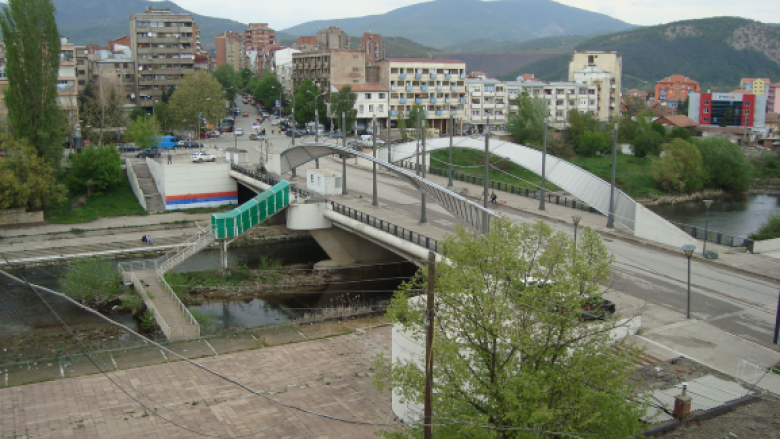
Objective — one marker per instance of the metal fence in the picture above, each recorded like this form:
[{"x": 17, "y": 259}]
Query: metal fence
[
  {"x": 267, "y": 179},
  {"x": 713, "y": 236},
  {"x": 180, "y": 332},
  {"x": 535, "y": 193},
  {"x": 386, "y": 226},
  {"x": 166, "y": 329}
]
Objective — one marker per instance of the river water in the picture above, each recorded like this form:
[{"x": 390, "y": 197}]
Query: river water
[{"x": 738, "y": 215}]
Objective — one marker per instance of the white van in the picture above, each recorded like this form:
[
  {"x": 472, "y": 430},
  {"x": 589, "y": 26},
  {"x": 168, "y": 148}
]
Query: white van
[{"x": 365, "y": 140}]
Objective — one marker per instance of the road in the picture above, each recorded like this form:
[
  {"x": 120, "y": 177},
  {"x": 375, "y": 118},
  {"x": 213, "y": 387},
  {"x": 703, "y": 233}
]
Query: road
[{"x": 738, "y": 303}]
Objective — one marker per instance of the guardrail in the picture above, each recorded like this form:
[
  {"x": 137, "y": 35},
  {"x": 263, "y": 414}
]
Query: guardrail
[
  {"x": 182, "y": 308},
  {"x": 562, "y": 200},
  {"x": 713, "y": 236},
  {"x": 267, "y": 179},
  {"x": 150, "y": 305},
  {"x": 187, "y": 249},
  {"x": 386, "y": 226}
]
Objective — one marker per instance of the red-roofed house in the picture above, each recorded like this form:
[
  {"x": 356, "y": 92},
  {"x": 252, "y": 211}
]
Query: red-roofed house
[
  {"x": 675, "y": 86},
  {"x": 371, "y": 101}
]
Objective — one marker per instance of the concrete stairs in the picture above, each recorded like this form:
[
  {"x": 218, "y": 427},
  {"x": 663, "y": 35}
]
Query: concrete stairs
[{"x": 154, "y": 201}]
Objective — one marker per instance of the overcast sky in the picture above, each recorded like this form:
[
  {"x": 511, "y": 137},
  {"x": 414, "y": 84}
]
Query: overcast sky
[{"x": 283, "y": 14}]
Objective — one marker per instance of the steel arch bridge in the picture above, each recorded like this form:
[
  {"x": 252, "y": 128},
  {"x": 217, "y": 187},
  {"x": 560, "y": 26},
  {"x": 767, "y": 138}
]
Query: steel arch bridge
[{"x": 468, "y": 212}]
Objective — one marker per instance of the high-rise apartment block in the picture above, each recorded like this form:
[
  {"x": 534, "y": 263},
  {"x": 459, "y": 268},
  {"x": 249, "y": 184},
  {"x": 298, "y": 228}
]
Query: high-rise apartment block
[
  {"x": 326, "y": 68},
  {"x": 604, "y": 69},
  {"x": 373, "y": 46},
  {"x": 333, "y": 38},
  {"x": 256, "y": 36},
  {"x": 163, "y": 45},
  {"x": 229, "y": 45},
  {"x": 674, "y": 89}
]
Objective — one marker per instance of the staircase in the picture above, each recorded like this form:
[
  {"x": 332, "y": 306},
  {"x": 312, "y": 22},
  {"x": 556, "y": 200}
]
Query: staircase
[
  {"x": 187, "y": 249},
  {"x": 154, "y": 201}
]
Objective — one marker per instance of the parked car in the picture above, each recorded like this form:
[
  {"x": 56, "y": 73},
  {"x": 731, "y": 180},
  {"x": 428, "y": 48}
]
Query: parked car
[
  {"x": 245, "y": 114},
  {"x": 336, "y": 135},
  {"x": 128, "y": 148},
  {"x": 239, "y": 131},
  {"x": 254, "y": 136},
  {"x": 203, "y": 157},
  {"x": 213, "y": 133},
  {"x": 150, "y": 153},
  {"x": 297, "y": 132},
  {"x": 181, "y": 137},
  {"x": 189, "y": 144}
]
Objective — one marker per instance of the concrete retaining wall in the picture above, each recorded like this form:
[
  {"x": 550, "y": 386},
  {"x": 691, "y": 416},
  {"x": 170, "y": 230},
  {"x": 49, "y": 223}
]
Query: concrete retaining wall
[
  {"x": 769, "y": 245},
  {"x": 139, "y": 194},
  {"x": 157, "y": 170},
  {"x": 188, "y": 186},
  {"x": 19, "y": 216}
]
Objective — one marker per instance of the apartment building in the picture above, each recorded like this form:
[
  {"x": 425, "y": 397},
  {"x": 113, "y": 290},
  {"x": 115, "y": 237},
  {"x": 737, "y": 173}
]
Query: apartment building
[
  {"x": 329, "y": 67},
  {"x": 281, "y": 66},
  {"x": 604, "y": 69},
  {"x": 333, "y": 38},
  {"x": 758, "y": 86},
  {"x": 256, "y": 36},
  {"x": 229, "y": 45},
  {"x": 373, "y": 46},
  {"x": 164, "y": 48},
  {"x": 371, "y": 102},
  {"x": 728, "y": 109},
  {"x": 306, "y": 44},
  {"x": 675, "y": 88},
  {"x": 436, "y": 84},
  {"x": 773, "y": 98}
]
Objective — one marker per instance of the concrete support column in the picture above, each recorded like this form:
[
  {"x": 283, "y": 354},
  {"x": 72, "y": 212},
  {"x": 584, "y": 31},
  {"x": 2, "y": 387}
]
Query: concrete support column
[{"x": 223, "y": 254}]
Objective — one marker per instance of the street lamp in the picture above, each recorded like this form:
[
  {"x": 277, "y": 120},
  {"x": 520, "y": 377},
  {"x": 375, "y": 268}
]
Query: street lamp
[
  {"x": 281, "y": 109},
  {"x": 707, "y": 203},
  {"x": 688, "y": 249},
  {"x": 576, "y": 219}
]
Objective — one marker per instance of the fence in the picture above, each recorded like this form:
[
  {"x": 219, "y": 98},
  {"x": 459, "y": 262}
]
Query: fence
[
  {"x": 179, "y": 331},
  {"x": 267, "y": 179},
  {"x": 386, "y": 226},
  {"x": 188, "y": 248},
  {"x": 563, "y": 200},
  {"x": 713, "y": 236},
  {"x": 148, "y": 301}
]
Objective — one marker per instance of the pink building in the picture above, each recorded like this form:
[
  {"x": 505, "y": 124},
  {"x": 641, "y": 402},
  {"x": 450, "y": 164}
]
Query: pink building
[{"x": 773, "y": 98}]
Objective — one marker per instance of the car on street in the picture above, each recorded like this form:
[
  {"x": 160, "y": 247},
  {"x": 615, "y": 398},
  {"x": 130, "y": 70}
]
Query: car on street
[
  {"x": 150, "y": 153},
  {"x": 239, "y": 131},
  {"x": 245, "y": 114},
  {"x": 188, "y": 144},
  {"x": 298, "y": 132},
  {"x": 201, "y": 156},
  {"x": 254, "y": 136},
  {"x": 264, "y": 113},
  {"x": 128, "y": 148},
  {"x": 336, "y": 135},
  {"x": 213, "y": 133}
]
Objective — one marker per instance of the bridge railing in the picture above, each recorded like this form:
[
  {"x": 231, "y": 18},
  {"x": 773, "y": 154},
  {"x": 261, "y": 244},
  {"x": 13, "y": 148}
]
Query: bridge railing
[
  {"x": 183, "y": 309},
  {"x": 186, "y": 249},
  {"x": 713, "y": 235},
  {"x": 386, "y": 226},
  {"x": 535, "y": 193},
  {"x": 267, "y": 179},
  {"x": 150, "y": 305}
]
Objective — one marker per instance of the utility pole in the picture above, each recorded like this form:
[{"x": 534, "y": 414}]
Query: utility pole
[
  {"x": 343, "y": 155},
  {"x": 486, "y": 177},
  {"x": 430, "y": 315},
  {"x": 292, "y": 131},
  {"x": 544, "y": 163},
  {"x": 389, "y": 149},
  {"x": 423, "y": 206},
  {"x": 611, "y": 216},
  {"x": 452, "y": 130},
  {"x": 374, "y": 201}
]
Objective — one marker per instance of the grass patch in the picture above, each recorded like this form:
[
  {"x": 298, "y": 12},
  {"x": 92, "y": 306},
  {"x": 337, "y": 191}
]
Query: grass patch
[
  {"x": 465, "y": 160},
  {"x": 633, "y": 174},
  {"x": 769, "y": 230},
  {"x": 180, "y": 282},
  {"x": 119, "y": 201},
  {"x": 776, "y": 369}
]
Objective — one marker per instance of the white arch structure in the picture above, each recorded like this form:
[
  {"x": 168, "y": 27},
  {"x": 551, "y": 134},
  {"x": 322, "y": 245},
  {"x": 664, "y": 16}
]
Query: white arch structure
[{"x": 582, "y": 184}]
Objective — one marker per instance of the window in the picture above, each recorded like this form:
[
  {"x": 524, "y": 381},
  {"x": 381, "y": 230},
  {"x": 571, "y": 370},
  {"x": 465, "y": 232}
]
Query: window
[
  {"x": 360, "y": 108},
  {"x": 747, "y": 104},
  {"x": 381, "y": 95},
  {"x": 747, "y": 112},
  {"x": 355, "y": 69},
  {"x": 706, "y": 119},
  {"x": 590, "y": 59},
  {"x": 371, "y": 108},
  {"x": 706, "y": 102},
  {"x": 368, "y": 95},
  {"x": 706, "y": 110},
  {"x": 380, "y": 108}
]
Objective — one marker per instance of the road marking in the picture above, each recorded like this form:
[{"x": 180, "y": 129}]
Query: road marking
[{"x": 673, "y": 326}]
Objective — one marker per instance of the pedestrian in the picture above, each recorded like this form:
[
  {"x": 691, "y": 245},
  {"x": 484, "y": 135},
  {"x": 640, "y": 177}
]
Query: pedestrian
[
  {"x": 493, "y": 197},
  {"x": 170, "y": 159}
]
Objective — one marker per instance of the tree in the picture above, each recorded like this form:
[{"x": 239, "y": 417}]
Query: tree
[
  {"x": 199, "y": 94},
  {"x": 143, "y": 131},
  {"x": 243, "y": 77},
  {"x": 343, "y": 102},
  {"x": 527, "y": 125},
  {"x": 164, "y": 116},
  {"x": 266, "y": 89},
  {"x": 647, "y": 143},
  {"x": 579, "y": 123},
  {"x": 589, "y": 143},
  {"x": 94, "y": 170},
  {"x": 32, "y": 48},
  {"x": 658, "y": 128},
  {"x": 679, "y": 133},
  {"x": 725, "y": 165},
  {"x": 512, "y": 353},
  {"x": 635, "y": 105},
  {"x": 136, "y": 113},
  {"x": 304, "y": 101},
  {"x": 226, "y": 75},
  {"x": 680, "y": 168},
  {"x": 728, "y": 117},
  {"x": 101, "y": 106},
  {"x": 93, "y": 280},
  {"x": 628, "y": 129},
  {"x": 402, "y": 127},
  {"x": 26, "y": 179}
]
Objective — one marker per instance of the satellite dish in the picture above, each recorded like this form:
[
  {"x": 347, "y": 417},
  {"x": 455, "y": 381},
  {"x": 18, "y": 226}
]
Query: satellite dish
[
  {"x": 132, "y": 95},
  {"x": 148, "y": 34}
]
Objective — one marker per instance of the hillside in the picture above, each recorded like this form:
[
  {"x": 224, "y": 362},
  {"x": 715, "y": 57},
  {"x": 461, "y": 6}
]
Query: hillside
[
  {"x": 97, "y": 21},
  {"x": 441, "y": 23},
  {"x": 565, "y": 42},
  {"x": 399, "y": 47},
  {"x": 498, "y": 64},
  {"x": 715, "y": 51}
]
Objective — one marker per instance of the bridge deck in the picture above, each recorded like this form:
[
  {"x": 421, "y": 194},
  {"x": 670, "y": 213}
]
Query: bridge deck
[{"x": 179, "y": 327}]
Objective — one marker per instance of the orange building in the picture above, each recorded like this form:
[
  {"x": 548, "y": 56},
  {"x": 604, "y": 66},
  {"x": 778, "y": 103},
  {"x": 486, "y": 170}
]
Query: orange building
[{"x": 677, "y": 86}]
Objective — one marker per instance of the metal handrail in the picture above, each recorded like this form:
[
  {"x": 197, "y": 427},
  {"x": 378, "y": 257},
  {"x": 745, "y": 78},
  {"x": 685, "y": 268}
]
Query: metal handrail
[
  {"x": 149, "y": 304},
  {"x": 175, "y": 298},
  {"x": 387, "y": 227},
  {"x": 182, "y": 247},
  {"x": 183, "y": 252}
]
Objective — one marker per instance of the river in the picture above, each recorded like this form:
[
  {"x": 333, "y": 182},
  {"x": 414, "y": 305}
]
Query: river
[{"x": 738, "y": 215}]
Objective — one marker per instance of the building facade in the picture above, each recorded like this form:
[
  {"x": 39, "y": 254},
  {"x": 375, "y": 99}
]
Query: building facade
[
  {"x": 373, "y": 46},
  {"x": 439, "y": 85},
  {"x": 773, "y": 98},
  {"x": 282, "y": 67},
  {"x": 229, "y": 45},
  {"x": 604, "y": 69},
  {"x": 372, "y": 101},
  {"x": 728, "y": 109},
  {"x": 163, "y": 45},
  {"x": 675, "y": 86},
  {"x": 757, "y": 86},
  {"x": 329, "y": 67},
  {"x": 333, "y": 38}
]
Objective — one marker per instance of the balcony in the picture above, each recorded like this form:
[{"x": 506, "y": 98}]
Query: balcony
[
  {"x": 454, "y": 88},
  {"x": 418, "y": 101},
  {"x": 403, "y": 100},
  {"x": 418, "y": 75},
  {"x": 447, "y": 76},
  {"x": 433, "y": 75},
  {"x": 408, "y": 88},
  {"x": 393, "y": 113},
  {"x": 438, "y": 112},
  {"x": 424, "y": 88},
  {"x": 439, "y": 88},
  {"x": 393, "y": 88},
  {"x": 403, "y": 75},
  {"x": 462, "y": 100},
  {"x": 433, "y": 100},
  {"x": 447, "y": 100}
]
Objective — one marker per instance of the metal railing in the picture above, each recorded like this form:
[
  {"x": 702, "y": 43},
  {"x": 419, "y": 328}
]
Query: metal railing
[
  {"x": 713, "y": 236},
  {"x": 178, "y": 255},
  {"x": 535, "y": 193},
  {"x": 386, "y": 226},
  {"x": 267, "y": 179},
  {"x": 150, "y": 305},
  {"x": 182, "y": 308}
]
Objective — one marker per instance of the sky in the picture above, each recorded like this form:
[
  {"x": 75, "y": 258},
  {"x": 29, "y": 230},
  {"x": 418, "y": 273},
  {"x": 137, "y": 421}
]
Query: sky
[{"x": 281, "y": 15}]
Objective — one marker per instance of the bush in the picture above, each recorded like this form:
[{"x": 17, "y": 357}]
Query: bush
[
  {"x": 680, "y": 169},
  {"x": 725, "y": 165},
  {"x": 589, "y": 143},
  {"x": 647, "y": 143},
  {"x": 206, "y": 320},
  {"x": 658, "y": 128},
  {"x": 90, "y": 279},
  {"x": 680, "y": 133},
  {"x": 94, "y": 170},
  {"x": 769, "y": 230}
]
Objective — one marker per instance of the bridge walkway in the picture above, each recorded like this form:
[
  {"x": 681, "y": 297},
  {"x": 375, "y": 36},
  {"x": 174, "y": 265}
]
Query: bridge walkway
[{"x": 172, "y": 316}]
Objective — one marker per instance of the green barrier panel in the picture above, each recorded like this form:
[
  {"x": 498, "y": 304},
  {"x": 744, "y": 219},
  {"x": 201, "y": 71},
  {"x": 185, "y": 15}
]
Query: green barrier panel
[{"x": 242, "y": 218}]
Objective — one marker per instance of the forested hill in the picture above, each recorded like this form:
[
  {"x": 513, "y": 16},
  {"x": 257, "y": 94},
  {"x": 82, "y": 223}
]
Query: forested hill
[{"x": 712, "y": 51}]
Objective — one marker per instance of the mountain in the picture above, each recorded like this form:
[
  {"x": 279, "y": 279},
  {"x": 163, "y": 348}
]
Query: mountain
[
  {"x": 712, "y": 51},
  {"x": 565, "y": 42},
  {"x": 441, "y": 23},
  {"x": 97, "y": 21},
  {"x": 399, "y": 47}
]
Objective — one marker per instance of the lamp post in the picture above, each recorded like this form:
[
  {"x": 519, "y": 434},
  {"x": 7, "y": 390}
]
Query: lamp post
[
  {"x": 374, "y": 201},
  {"x": 688, "y": 249},
  {"x": 544, "y": 170},
  {"x": 576, "y": 219},
  {"x": 281, "y": 108},
  {"x": 707, "y": 203}
]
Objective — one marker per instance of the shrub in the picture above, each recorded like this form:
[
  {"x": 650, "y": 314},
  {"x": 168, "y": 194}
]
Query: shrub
[
  {"x": 725, "y": 165},
  {"x": 591, "y": 142},
  {"x": 90, "y": 279},
  {"x": 680, "y": 133},
  {"x": 769, "y": 230},
  {"x": 94, "y": 170},
  {"x": 647, "y": 143},
  {"x": 680, "y": 168}
]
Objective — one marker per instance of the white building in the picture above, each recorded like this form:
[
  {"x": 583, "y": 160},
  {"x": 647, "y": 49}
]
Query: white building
[
  {"x": 604, "y": 69},
  {"x": 282, "y": 67},
  {"x": 372, "y": 101}
]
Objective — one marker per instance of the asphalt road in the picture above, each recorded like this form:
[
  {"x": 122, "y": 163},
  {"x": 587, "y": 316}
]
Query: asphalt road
[{"x": 735, "y": 302}]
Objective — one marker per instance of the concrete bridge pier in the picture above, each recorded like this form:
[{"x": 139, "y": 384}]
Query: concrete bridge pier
[{"x": 223, "y": 254}]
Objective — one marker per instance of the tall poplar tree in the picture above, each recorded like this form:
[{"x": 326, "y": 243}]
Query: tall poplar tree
[{"x": 32, "y": 46}]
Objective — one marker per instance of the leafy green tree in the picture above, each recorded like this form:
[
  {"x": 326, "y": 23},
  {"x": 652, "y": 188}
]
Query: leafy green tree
[
  {"x": 589, "y": 143},
  {"x": 32, "y": 50},
  {"x": 166, "y": 95},
  {"x": 635, "y": 105},
  {"x": 647, "y": 143},
  {"x": 769, "y": 230},
  {"x": 226, "y": 75},
  {"x": 304, "y": 101},
  {"x": 101, "y": 106},
  {"x": 628, "y": 129},
  {"x": 243, "y": 77},
  {"x": 266, "y": 89},
  {"x": 343, "y": 101},
  {"x": 143, "y": 132},
  {"x": 527, "y": 125},
  {"x": 658, "y": 128},
  {"x": 136, "y": 113},
  {"x": 679, "y": 133},
  {"x": 728, "y": 117},
  {"x": 93, "y": 280},
  {"x": 26, "y": 179},
  {"x": 680, "y": 169},
  {"x": 94, "y": 170},
  {"x": 725, "y": 165},
  {"x": 199, "y": 94},
  {"x": 509, "y": 353},
  {"x": 164, "y": 116},
  {"x": 579, "y": 123}
]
